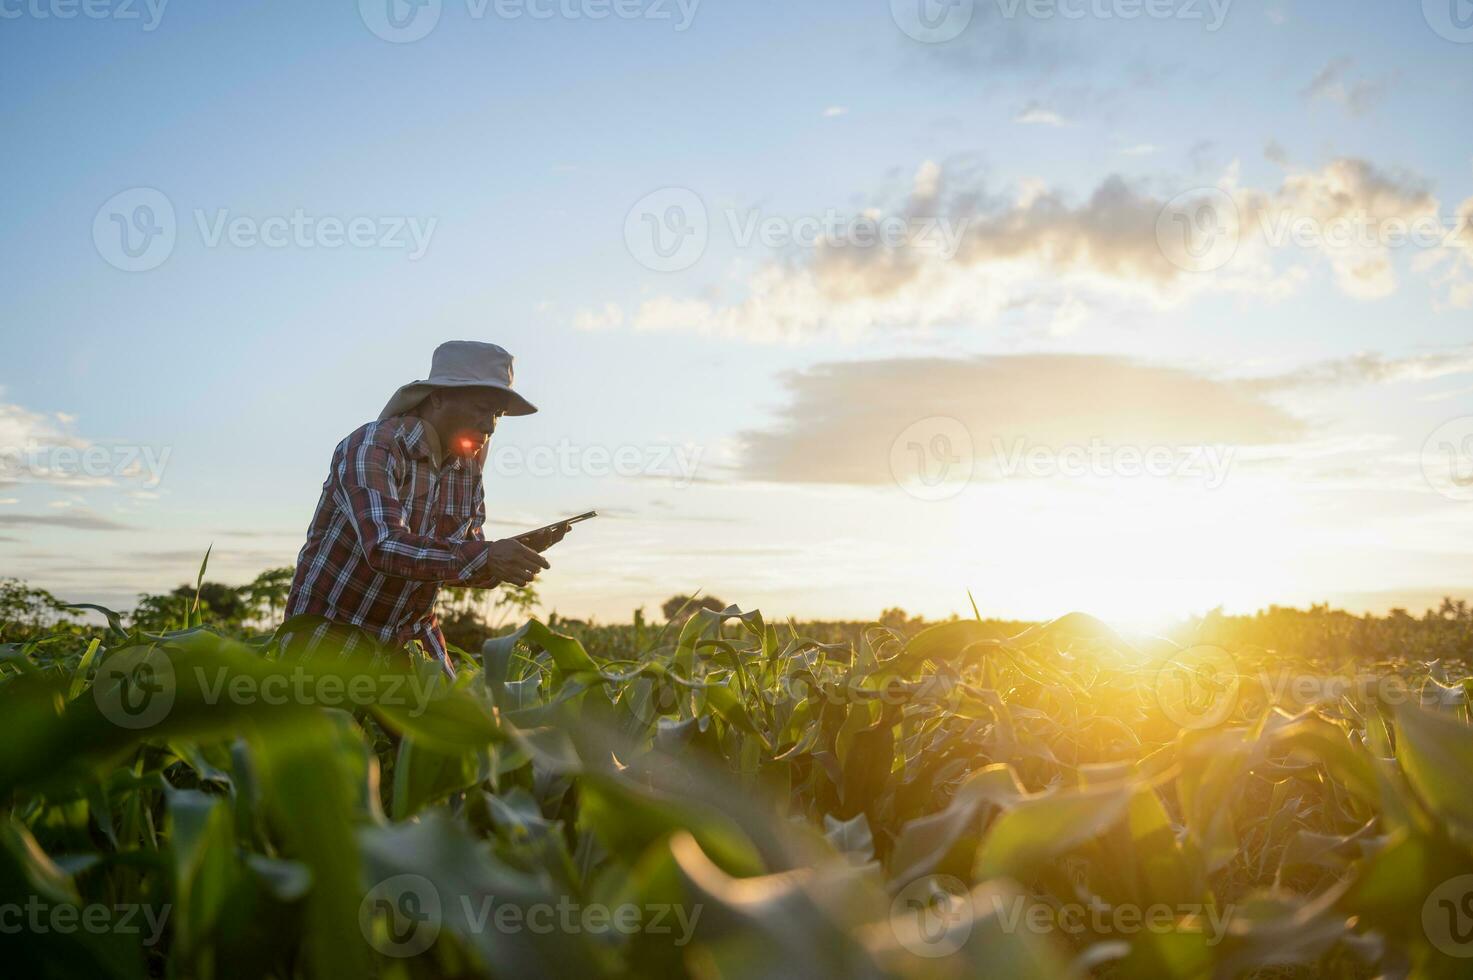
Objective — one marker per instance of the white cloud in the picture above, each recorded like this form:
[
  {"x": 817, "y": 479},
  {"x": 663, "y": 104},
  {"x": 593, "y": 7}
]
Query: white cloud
[
  {"x": 1105, "y": 249},
  {"x": 608, "y": 317},
  {"x": 1038, "y": 116},
  {"x": 835, "y": 111},
  {"x": 1334, "y": 84}
]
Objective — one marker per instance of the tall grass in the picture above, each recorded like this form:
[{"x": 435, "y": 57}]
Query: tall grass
[{"x": 962, "y": 801}]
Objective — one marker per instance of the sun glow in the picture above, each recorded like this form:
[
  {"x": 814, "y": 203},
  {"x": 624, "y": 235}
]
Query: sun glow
[{"x": 1137, "y": 553}]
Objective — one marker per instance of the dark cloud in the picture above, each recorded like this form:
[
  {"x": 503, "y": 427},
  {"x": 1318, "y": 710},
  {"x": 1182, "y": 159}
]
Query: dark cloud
[
  {"x": 1023, "y": 46},
  {"x": 843, "y": 418},
  {"x": 1372, "y": 368},
  {"x": 79, "y": 521},
  {"x": 1334, "y": 83}
]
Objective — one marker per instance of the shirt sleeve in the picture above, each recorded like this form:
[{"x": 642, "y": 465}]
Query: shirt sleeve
[
  {"x": 478, "y": 511},
  {"x": 477, "y": 531},
  {"x": 366, "y": 489}
]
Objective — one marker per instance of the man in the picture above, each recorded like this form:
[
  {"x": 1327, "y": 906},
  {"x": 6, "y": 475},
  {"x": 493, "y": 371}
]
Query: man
[{"x": 401, "y": 513}]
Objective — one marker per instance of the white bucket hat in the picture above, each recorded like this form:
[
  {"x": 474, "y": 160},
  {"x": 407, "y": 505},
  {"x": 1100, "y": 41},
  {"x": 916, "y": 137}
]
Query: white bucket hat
[{"x": 462, "y": 364}]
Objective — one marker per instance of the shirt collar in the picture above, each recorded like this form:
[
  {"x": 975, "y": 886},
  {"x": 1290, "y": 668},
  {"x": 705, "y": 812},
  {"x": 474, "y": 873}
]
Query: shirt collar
[{"x": 422, "y": 440}]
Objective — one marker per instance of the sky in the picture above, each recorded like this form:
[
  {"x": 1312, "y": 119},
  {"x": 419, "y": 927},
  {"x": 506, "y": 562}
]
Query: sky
[{"x": 1138, "y": 307}]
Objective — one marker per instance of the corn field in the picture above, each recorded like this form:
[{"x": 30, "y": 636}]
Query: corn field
[{"x": 730, "y": 799}]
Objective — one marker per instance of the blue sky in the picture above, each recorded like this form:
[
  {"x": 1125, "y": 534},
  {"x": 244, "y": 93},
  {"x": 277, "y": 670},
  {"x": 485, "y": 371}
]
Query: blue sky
[{"x": 519, "y": 145}]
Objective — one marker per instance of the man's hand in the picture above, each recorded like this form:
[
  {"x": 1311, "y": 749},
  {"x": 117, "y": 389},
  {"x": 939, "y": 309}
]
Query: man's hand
[
  {"x": 510, "y": 561},
  {"x": 542, "y": 540}
]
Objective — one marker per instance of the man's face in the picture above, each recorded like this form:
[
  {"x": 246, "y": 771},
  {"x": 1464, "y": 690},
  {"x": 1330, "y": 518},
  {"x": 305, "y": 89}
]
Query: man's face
[{"x": 470, "y": 415}]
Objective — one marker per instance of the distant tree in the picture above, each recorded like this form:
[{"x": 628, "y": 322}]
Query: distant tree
[
  {"x": 268, "y": 592},
  {"x": 898, "y": 619},
  {"x": 672, "y": 606},
  {"x": 466, "y": 614},
  {"x": 156, "y": 613},
  {"x": 27, "y": 612},
  {"x": 223, "y": 606}
]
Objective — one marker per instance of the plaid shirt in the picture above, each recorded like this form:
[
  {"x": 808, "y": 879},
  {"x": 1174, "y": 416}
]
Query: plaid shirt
[{"x": 390, "y": 527}]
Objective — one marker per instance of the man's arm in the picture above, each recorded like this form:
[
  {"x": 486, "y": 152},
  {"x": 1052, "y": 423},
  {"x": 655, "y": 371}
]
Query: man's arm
[{"x": 365, "y": 488}]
